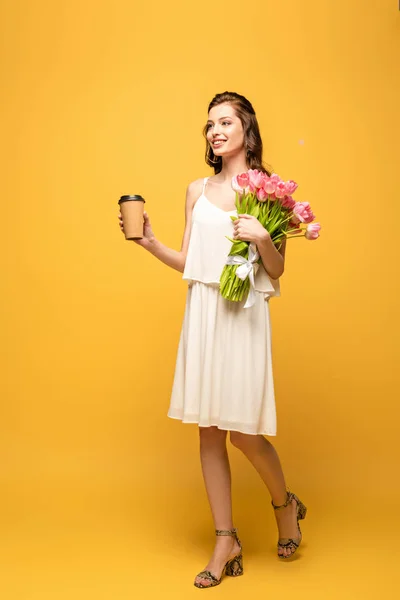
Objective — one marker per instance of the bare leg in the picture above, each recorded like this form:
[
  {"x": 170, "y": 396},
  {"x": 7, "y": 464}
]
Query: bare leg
[
  {"x": 263, "y": 456},
  {"x": 217, "y": 479}
]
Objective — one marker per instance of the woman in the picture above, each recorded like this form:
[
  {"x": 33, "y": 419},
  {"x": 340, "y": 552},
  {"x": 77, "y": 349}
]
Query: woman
[{"x": 223, "y": 378}]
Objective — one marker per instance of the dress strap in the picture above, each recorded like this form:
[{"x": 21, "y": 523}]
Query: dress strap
[{"x": 204, "y": 184}]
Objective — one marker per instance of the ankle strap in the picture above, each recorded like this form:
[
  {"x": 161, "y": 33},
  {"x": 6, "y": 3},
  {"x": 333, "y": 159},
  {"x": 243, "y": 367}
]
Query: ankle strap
[
  {"x": 289, "y": 497},
  {"x": 226, "y": 531}
]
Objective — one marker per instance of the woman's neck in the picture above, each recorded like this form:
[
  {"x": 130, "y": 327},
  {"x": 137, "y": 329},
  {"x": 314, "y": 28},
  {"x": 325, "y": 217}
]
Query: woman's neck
[{"x": 231, "y": 166}]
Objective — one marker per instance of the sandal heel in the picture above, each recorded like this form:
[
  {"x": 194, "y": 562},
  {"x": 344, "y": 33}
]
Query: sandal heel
[
  {"x": 301, "y": 508},
  {"x": 301, "y": 511},
  {"x": 234, "y": 567}
]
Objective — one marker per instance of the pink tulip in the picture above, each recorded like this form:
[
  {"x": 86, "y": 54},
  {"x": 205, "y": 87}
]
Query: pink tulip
[
  {"x": 303, "y": 212},
  {"x": 237, "y": 187},
  {"x": 290, "y": 187},
  {"x": 288, "y": 202},
  {"x": 312, "y": 231},
  {"x": 243, "y": 180},
  {"x": 256, "y": 179},
  {"x": 280, "y": 190},
  {"x": 274, "y": 177},
  {"x": 262, "y": 195},
  {"x": 269, "y": 185}
]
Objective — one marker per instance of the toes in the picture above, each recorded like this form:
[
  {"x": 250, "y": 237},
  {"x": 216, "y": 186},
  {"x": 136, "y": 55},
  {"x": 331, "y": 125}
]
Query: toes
[
  {"x": 289, "y": 551},
  {"x": 202, "y": 581},
  {"x": 285, "y": 551}
]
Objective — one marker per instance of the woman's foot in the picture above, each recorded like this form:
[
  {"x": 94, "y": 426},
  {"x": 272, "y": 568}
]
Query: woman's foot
[
  {"x": 226, "y": 548},
  {"x": 286, "y": 519}
]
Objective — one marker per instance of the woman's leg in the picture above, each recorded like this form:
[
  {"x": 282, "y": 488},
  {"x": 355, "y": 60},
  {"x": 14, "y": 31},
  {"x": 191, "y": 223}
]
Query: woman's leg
[
  {"x": 217, "y": 479},
  {"x": 263, "y": 456}
]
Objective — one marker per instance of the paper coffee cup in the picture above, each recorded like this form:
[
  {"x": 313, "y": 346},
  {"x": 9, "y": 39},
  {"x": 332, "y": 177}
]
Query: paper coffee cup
[{"x": 132, "y": 209}]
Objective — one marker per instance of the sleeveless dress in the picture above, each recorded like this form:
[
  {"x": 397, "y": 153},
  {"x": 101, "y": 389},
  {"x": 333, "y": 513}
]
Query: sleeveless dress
[{"x": 223, "y": 374}]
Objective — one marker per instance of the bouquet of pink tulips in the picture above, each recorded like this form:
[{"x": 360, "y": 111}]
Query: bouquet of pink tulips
[{"x": 268, "y": 199}]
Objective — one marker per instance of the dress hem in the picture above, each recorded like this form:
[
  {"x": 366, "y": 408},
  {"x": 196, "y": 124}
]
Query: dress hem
[{"x": 216, "y": 424}]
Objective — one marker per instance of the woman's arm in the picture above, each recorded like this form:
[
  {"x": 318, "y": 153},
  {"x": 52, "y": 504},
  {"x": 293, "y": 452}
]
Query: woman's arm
[
  {"x": 272, "y": 258},
  {"x": 172, "y": 258},
  {"x": 249, "y": 229}
]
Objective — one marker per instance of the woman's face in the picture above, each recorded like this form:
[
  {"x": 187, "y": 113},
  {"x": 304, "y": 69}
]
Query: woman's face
[{"x": 224, "y": 130}]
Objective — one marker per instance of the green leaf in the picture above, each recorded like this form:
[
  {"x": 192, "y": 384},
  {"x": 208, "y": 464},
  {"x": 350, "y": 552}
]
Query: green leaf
[
  {"x": 255, "y": 211},
  {"x": 240, "y": 248}
]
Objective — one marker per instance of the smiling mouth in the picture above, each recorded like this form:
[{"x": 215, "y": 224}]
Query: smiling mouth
[{"x": 218, "y": 143}]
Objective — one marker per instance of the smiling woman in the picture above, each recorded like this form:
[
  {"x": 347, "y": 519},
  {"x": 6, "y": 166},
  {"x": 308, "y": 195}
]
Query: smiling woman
[
  {"x": 223, "y": 378},
  {"x": 237, "y": 126}
]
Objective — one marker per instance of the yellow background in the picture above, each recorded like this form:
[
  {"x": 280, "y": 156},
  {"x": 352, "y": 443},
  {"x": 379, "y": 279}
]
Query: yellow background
[{"x": 102, "y": 495}]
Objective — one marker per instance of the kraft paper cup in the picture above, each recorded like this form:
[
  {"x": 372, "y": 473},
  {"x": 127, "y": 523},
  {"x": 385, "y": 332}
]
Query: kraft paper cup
[{"x": 132, "y": 209}]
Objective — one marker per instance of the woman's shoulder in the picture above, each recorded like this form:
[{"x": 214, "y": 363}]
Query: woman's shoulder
[
  {"x": 194, "y": 189},
  {"x": 196, "y": 184}
]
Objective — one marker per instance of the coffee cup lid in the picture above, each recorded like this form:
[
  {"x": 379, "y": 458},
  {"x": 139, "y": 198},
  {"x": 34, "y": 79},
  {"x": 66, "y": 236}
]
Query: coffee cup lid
[{"x": 136, "y": 197}]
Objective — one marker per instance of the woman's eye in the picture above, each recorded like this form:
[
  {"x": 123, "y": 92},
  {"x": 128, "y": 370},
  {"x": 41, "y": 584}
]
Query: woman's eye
[{"x": 223, "y": 123}]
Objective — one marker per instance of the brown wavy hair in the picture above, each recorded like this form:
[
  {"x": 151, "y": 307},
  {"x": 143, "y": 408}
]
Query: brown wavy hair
[{"x": 252, "y": 137}]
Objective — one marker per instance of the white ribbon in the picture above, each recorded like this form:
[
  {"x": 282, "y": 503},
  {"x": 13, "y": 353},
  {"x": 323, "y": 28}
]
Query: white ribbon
[{"x": 247, "y": 269}]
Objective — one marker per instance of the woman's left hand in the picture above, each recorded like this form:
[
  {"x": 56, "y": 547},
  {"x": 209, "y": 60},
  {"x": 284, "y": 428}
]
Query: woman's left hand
[{"x": 249, "y": 229}]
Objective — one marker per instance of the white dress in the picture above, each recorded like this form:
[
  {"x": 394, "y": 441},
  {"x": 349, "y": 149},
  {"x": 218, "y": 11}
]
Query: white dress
[{"x": 223, "y": 374}]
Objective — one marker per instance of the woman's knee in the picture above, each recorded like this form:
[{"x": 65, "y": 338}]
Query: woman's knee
[
  {"x": 212, "y": 435},
  {"x": 239, "y": 440},
  {"x": 244, "y": 441}
]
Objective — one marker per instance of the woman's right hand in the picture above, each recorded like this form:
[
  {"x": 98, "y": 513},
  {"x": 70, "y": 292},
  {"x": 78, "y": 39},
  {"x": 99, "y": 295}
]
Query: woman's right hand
[{"x": 148, "y": 235}]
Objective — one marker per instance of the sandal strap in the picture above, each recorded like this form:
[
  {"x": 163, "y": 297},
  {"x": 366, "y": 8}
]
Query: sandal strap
[
  {"x": 232, "y": 532},
  {"x": 289, "y": 497},
  {"x": 285, "y": 542},
  {"x": 208, "y": 575},
  {"x": 226, "y": 531}
]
